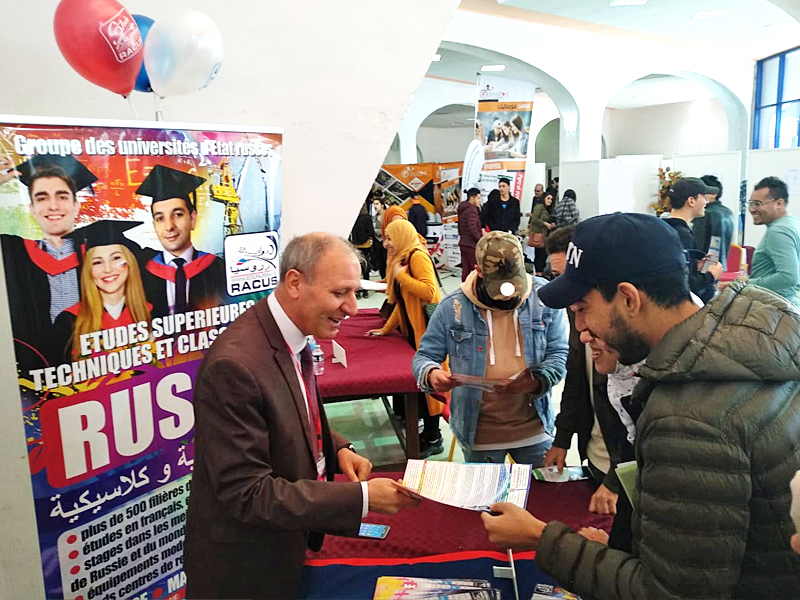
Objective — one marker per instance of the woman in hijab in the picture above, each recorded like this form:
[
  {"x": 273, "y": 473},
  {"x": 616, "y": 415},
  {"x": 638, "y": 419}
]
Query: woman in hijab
[{"x": 411, "y": 284}]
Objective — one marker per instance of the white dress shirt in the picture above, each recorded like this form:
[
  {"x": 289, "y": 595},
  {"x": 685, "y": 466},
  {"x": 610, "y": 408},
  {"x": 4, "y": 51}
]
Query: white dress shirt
[
  {"x": 169, "y": 259},
  {"x": 296, "y": 341}
]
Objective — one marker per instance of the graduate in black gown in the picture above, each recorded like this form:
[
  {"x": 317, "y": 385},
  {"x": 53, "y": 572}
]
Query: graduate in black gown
[
  {"x": 112, "y": 294},
  {"x": 43, "y": 276},
  {"x": 181, "y": 277}
]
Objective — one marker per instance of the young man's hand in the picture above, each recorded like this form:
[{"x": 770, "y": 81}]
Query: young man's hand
[{"x": 513, "y": 527}]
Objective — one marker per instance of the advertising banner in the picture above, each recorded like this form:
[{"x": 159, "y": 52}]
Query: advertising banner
[
  {"x": 128, "y": 248},
  {"x": 447, "y": 188},
  {"x": 502, "y": 121},
  {"x": 399, "y": 182}
]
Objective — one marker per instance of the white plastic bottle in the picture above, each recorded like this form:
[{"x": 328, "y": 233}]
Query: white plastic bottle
[{"x": 317, "y": 355}]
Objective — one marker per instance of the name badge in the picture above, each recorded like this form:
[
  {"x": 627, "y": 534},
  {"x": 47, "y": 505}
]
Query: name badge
[{"x": 321, "y": 466}]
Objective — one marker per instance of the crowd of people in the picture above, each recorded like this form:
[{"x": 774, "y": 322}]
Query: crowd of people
[{"x": 664, "y": 365}]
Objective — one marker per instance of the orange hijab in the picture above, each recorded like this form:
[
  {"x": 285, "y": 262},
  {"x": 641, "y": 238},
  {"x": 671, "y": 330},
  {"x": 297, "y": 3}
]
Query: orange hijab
[
  {"x": 405, "y": 239},
  {"x": 389, "y": 214}
]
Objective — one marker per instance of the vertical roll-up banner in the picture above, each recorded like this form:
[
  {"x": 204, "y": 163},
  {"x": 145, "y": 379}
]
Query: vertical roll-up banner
[
  {"x": 108, "y": 336},
  {"x": 502, "y": 125}
]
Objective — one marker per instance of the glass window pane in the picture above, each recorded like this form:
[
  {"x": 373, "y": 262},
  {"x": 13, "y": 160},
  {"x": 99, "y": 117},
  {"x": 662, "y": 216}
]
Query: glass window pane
[
  {"x": 791, "y": 77},
  {"x": 790, "y": 115},
  {"x": 766, "y": 129},
  {"x": 769, "y": 81}
]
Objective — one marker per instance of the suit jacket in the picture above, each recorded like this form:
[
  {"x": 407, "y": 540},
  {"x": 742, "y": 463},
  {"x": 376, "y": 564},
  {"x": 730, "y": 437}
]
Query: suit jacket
[
  {"x": 254, "y": 496},
  {"x": 205, "y": 275}
]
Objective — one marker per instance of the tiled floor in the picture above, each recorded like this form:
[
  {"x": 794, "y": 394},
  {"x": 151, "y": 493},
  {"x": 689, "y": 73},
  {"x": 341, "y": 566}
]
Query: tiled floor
[{"x": 366, "y": 424}]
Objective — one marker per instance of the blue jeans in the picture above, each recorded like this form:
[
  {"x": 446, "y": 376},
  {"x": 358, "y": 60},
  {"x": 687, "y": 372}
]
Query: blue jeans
[{"x": 526, "y": 455}]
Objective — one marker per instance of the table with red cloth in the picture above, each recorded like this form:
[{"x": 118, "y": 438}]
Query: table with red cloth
[
  {"x": 439, "y": 541},
  {"x": 377, "y": 367}
]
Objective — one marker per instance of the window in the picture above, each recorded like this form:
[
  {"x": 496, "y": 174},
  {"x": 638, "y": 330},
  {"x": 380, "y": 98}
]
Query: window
[{"x": 777, "y": 115}]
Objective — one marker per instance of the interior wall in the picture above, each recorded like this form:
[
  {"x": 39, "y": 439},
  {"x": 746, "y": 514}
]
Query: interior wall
[
  {"x": 697, "y": 127},
  {"x": 547, "y": 144},
  {"x": 437, "y": 144}
]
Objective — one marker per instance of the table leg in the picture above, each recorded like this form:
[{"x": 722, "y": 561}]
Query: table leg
[{"x": 412, "y": 424}]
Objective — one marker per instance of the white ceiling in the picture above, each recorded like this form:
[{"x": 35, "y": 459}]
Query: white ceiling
[{"x": 752, "y": 28}]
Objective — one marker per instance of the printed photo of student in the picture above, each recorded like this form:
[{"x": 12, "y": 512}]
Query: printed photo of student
[
  {"x": 43, "y": 276},
  {"x": 112, "y": 293},
  {"x": 181, "y": 277}
]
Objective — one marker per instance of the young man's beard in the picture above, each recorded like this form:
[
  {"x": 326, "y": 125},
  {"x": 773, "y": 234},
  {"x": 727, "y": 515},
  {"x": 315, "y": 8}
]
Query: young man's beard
[{"x": 629, "y": 344}]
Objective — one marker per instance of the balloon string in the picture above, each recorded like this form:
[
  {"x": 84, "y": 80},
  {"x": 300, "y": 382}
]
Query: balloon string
[
  {"x": 156, "y": 105},
  {"x": 133, "y": 107}
]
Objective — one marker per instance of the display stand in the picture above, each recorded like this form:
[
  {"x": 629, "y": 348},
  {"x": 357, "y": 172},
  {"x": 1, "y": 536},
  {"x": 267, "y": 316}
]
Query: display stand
[{"x": 509, "y": 572}]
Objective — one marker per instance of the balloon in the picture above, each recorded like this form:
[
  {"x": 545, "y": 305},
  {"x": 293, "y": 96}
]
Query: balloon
[
  {"x": 100, "y": 40},
  {"x": 142, "y": 80},
  {"x": 183, "y": 53}
]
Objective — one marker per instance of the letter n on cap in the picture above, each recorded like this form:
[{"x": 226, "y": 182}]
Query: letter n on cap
[{"x": 574, "y": 255}]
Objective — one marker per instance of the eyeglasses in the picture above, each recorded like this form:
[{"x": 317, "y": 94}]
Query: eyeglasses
[{"x": 758, "y": 203}]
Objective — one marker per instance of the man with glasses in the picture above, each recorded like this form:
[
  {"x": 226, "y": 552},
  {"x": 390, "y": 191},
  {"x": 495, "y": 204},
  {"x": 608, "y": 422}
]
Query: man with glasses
[{"x": 776, "y": 262}]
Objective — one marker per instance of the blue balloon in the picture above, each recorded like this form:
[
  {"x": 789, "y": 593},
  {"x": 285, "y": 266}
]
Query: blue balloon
[{"x": 143, "y": 80}]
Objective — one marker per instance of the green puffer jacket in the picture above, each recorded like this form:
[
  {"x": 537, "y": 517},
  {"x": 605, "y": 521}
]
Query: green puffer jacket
[{"x": 716, "y": 446}]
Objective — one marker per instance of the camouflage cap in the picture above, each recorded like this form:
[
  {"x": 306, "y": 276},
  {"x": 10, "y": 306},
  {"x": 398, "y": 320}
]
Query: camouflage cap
[{"x": 499, "y": 255}]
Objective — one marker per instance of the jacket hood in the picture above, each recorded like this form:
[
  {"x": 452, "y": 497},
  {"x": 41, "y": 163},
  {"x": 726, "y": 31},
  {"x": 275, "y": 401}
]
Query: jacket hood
[
  {"x": 463, "y": 207},
  {"x": 745, "y": 334},
  {"x": 468, "y": 287}
]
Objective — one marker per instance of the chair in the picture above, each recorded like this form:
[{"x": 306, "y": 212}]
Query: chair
[
  {"x": 749, "y": 251},
  {"x": 734, "y": 263}
]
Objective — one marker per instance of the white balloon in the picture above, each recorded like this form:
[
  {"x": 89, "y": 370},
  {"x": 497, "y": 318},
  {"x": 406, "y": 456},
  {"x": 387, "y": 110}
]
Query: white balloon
[{"x": 182, "y": 53}]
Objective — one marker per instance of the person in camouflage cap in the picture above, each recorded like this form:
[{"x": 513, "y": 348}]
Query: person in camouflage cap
[
  {"x": 494, "y": 327},
  {"x": 500, "y": 259}
]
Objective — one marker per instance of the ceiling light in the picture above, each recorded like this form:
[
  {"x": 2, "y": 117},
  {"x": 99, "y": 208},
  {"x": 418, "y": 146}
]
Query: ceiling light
[
  {"x": 436, "y": 58},
  {"x": 627, "y": 2},
  {"x": 486, "y": 68},
  {"x": 711, "y": 14}
]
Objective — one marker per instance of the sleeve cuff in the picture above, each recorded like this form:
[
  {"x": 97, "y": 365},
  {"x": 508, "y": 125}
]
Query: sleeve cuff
[{"x": 364, "y": 499}]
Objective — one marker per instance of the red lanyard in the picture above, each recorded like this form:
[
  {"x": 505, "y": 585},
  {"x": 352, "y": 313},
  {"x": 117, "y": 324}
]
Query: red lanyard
[{"x": 313, "y": 416}]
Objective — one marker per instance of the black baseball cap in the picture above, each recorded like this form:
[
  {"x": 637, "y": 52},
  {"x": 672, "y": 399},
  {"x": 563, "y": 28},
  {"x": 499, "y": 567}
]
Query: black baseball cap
[
  {"x": 688, "y": 187},
  {"x": 71, "y": 166},
  {"x": 614, "y": 248},
  {"x": 166, "y": 183}
]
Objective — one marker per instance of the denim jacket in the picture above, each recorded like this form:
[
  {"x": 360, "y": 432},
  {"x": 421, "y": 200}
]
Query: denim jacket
[{"x": 457, "y": 330}]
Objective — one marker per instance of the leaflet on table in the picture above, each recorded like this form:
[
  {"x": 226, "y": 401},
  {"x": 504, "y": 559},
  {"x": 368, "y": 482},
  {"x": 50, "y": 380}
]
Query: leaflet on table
[
  {"x": 552, "y": 475},
  {"x": 487, "y": 385},
  {"x": 396, "y": 588},
  {"x": 543, "y": 591},
  {"x": 373, "y": 286},
  {"x": 471, "y": 486}
]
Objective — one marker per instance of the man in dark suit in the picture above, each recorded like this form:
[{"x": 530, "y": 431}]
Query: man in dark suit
[
  {"x": 264, "y": 455},
  {"x": 181, "y": 277}
]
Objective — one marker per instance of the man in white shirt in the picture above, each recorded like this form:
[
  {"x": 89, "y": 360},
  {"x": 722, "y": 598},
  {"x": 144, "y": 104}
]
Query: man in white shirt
[{"x": 265, "y": 457}]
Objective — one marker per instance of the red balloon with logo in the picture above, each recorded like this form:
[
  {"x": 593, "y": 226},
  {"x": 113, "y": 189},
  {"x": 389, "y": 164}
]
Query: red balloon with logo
[{"x": 101, "y": 41}]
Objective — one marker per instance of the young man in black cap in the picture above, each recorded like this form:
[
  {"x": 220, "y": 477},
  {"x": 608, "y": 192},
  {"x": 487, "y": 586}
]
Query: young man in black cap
[
  {"x": 715, "y": 441},
  {"x": 42, "y": 277},
  {"x": 181, "y": 277},
  {"x": 688, "y": 201}
]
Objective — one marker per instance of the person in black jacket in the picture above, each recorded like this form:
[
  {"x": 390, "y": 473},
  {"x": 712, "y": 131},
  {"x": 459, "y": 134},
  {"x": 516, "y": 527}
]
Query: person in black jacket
[
  {"x": 605, "y": 430},
  {"x": 688, "y": 202},
  {"x": 502, "y": 210},
  {"x": 418, "y": 216}
]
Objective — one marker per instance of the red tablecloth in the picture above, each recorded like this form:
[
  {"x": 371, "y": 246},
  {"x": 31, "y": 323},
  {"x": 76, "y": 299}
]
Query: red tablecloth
[
  {"x": 375, "y": 365},
  {"x": 432, "y": 528}
]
